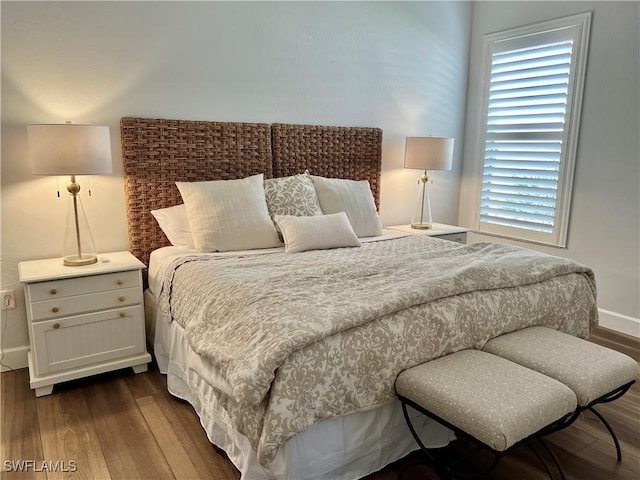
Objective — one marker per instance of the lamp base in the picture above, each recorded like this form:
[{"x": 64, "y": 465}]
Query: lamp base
[
  {"x": 421, "y": 218},
  {"x": 78, "y": 248},
  {"x": 421, "y": 226},
  {"x": 75, "y": 261}
]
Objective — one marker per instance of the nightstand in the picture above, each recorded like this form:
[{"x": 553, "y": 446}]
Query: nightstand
[
  {"x": 83, "y": 320},
  {"x": 440, "y": 230}
]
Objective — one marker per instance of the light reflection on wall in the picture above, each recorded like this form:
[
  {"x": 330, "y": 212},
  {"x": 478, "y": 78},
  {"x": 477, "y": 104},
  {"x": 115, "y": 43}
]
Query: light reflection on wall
[{"x": 400, "y": 66}]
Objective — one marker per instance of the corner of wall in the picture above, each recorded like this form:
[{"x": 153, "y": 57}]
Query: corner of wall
[
  {"x": 14, "y": 358},
  {"x": 619, "y": 323}
]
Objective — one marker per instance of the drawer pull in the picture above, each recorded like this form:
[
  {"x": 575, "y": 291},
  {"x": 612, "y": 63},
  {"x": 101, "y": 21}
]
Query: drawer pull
[
  {"x": 56, "y": 326},
  {"x": 53, "y": 291},
  {"x": 122, "y": 314},
  {"x": 120, "y": 281},
  {"x": 55, "y": 309},
  {"x": 121, "y": 299}
]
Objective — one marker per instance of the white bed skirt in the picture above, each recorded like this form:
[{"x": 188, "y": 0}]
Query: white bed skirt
[{"x": 342, "y": 448}]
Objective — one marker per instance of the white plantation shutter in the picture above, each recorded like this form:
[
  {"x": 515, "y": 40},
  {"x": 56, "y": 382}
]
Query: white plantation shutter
[{"x": 533, "y": 89}]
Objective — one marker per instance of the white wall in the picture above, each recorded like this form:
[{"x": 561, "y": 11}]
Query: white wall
[
  {"x": 604, "y": 224},
  {"x": 398, "y": 66}
]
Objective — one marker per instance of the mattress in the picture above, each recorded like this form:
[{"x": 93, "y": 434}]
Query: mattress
[
  {"x": 342, "y": 448},
  {"x": 467, "y": 295}
]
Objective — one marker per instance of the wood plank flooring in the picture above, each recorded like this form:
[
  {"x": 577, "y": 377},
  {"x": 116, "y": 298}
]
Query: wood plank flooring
[{"x": 125, "y": 426}]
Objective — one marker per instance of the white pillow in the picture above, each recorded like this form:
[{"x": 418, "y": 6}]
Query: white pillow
[
  {"x": 352, "y": 197},
  {"x": 227, "y": 215},
  {"x": 174, "y": 223},
  {"x": 317, "y": 232}
]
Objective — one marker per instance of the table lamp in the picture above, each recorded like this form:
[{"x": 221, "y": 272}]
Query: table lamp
[
  {"x": 426, "y": 153},
  {"x": 67, "y": 149}
]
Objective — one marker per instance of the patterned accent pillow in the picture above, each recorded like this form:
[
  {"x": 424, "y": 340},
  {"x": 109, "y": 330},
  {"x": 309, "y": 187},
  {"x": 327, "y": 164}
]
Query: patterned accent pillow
[{"x": 294, "y": 195}]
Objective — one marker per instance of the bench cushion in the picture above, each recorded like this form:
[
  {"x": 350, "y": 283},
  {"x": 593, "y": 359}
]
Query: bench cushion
[
  {"x": 590, "y": 370},
  {"x": 492, "y": 399}
]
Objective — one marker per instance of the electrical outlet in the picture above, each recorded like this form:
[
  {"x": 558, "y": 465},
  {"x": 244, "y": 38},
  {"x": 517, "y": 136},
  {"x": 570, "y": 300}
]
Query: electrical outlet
[{"x": 8, "y": 298}]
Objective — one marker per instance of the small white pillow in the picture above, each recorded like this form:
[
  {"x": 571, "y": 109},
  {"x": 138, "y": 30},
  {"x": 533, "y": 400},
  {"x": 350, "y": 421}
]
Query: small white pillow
[
  {"x": 352, "y": 197},
  {"x": 227, "y": 215},
  {"x": 174, "y": 223},
  {"x": 316, "y": 233}
]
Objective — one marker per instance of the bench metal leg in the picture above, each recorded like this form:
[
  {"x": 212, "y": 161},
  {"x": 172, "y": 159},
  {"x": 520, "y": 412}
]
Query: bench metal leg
[
  {"x": 448, "y": 470},
  {"x": 444, "y": 470},
  {"x": 552, "y": 455},
  {"x": 610, "y": 397},
  {"x": 434, "y": 462},
  {"x": 611, "y": 432},
  {"x": 544, "y": 464}
]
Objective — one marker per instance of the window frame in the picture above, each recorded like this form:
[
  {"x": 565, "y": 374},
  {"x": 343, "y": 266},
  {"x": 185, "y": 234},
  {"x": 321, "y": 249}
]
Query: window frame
[{"x": 580, "y": 24}]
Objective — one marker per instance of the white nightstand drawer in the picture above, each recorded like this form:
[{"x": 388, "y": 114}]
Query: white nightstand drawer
[
  {"x": 87, "y": 339},
  {"x": 81, "y": 285},
  {"x": 65, "y": 306}
]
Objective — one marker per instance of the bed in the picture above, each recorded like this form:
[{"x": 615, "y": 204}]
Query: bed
[{"x": 290, "y": 359}]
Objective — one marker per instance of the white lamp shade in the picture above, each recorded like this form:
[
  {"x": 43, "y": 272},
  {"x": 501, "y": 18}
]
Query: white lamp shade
[
  {"x": 67, "y": 149},
  {"x": 428, "y": 153}
]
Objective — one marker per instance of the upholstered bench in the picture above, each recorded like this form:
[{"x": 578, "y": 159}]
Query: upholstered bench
[
  {"x": 495, "y": 401},
  {"x": 594, "y": 373}
]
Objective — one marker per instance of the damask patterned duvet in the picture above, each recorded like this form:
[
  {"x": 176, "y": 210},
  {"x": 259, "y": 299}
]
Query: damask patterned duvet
[{"x": 301, "y": 337}]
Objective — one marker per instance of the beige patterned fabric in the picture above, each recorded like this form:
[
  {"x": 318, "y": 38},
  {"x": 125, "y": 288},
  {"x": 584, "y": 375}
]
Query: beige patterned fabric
[
  {"x": 294, "y": 195},
  {"x": 590, "y": 370},
  {"x": 490, "y": 398},
  {"x": 323, "y": 333}
]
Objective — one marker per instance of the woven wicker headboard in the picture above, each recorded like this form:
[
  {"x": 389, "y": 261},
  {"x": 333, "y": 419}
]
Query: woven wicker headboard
[
  {"x": 335, "y": 152},
  {"x": 157, "y": 152}
]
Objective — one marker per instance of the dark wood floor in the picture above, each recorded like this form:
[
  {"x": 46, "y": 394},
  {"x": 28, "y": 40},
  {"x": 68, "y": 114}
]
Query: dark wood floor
[{"x": 125, "y": 426}]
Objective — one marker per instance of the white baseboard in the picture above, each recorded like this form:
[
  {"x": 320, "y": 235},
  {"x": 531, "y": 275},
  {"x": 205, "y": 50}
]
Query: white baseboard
[
  {"x": 14, "y": 358},
  {"x": 619, "y": 323}
]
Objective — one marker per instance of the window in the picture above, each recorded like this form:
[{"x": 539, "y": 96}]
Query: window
[{"x": 532, "y": 92}]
